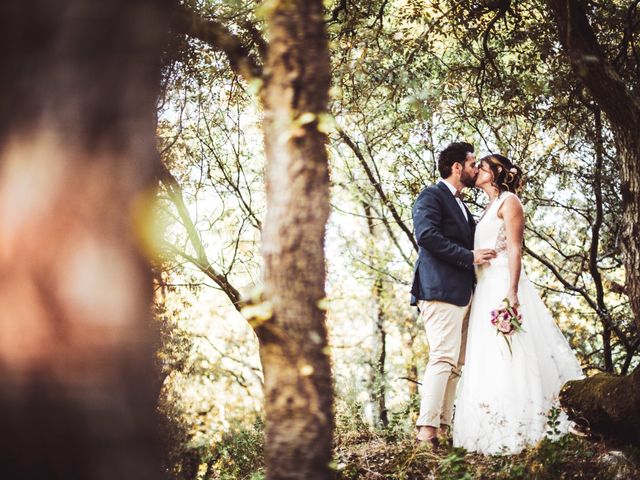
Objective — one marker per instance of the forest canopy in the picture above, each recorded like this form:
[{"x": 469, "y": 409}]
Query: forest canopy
[{"x": 407, "y": 77}]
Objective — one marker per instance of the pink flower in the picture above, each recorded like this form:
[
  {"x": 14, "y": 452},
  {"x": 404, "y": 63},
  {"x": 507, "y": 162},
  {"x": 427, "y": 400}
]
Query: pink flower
[{"x": 504, "y": 326}]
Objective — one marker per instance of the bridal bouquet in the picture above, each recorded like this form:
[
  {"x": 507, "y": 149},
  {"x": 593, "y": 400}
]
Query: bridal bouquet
[{"x": 507, "y": 320}]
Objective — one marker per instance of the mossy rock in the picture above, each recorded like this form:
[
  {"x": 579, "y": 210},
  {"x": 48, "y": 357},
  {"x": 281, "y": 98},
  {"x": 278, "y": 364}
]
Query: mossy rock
[{"x": 606, "y": 405}]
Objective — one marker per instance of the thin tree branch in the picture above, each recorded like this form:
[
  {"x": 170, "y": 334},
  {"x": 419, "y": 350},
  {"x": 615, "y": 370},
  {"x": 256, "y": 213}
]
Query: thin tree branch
[
  {"x": 201, "y": 261},
  {"x": 378, "y": 188},
  {"x": 209, "y": 271},
  {"x": 569, "y": 286}
]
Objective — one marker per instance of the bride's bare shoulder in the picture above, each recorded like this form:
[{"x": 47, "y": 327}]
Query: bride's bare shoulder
[
  {"x": 511, "y": 205},
  {"x": 512, "y": 197}
]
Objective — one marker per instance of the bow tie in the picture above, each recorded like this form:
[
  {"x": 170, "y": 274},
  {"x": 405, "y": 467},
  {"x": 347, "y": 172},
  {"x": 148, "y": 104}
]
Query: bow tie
[{"x": 458, "y": 194}]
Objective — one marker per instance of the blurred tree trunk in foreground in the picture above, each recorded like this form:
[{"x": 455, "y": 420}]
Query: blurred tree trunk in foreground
[{"x": 77, "y": 166}]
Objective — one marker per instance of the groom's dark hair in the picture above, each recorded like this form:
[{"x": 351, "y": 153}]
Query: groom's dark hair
[{"x": 454, "y": 152}]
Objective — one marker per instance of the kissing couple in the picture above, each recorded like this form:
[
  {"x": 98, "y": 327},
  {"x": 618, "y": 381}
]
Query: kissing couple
[{"x": 480, "y": 310}]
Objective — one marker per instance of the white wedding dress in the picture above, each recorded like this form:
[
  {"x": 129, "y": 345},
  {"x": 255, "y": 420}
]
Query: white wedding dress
[{"x": 504, "y": 398}]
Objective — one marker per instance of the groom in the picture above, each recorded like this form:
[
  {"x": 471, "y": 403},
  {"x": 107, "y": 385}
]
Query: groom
[{"x": 443, "y": 283}]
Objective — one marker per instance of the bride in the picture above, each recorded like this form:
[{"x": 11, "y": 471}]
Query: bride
[{"x": 508, "y": 390}]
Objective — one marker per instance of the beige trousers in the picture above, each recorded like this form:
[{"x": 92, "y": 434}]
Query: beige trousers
[{"x": 446, "y": 326}]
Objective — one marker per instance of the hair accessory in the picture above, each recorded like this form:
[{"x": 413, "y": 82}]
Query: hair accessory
[{"x": 513, "y": 170}]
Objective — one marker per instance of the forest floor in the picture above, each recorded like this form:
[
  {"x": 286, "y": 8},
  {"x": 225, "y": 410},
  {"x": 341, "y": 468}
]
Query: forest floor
[
  {"x": 369, "y": 456},
  {"x": 365, "y": 453}
]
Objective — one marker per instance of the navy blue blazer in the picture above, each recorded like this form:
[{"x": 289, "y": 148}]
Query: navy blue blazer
[{"x": 444, "y": 269}]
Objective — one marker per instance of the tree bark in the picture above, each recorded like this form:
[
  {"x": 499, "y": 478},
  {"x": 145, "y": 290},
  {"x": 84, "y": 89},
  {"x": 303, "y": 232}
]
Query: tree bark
[
  {"x": 293, "y": 339},
  {"x": 379, "y": 379},
  {"x": 412, "y": 371},
  {"x": 77, "y": 168},
  {"x": 622, "y": 108},
  {"x": 603, "y": 401},
  {"x": 377, "y": 376}
]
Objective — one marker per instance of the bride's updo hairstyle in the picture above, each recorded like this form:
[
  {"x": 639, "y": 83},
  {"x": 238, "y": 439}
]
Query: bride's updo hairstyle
[{"x": 507, "y": 177}]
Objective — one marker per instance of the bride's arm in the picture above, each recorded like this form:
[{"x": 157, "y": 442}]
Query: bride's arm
[{"x": 513, "y": 215}]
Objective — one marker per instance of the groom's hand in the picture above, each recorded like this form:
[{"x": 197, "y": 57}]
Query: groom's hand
[{"x": 483, "y": 255}]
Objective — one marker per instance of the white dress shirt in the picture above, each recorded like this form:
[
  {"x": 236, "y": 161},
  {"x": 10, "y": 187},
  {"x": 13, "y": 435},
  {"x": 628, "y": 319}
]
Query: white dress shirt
[{"x": 453, "y": 192}]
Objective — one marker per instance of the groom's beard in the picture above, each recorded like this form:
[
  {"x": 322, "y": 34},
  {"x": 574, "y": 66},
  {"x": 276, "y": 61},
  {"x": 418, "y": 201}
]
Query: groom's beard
[{"x": 468, "y": 180}]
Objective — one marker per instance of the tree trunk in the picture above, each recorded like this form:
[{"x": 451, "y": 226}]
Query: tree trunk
[
  {"x": 628, "y": 145},
  {"x": 381, "y": 417},
  {"x": 77, "y": 167},
  {"x": 377, "y": 375},
  {"x": 412, "y": 373},
  {"x": 293, "y": 336},
  {"x": 622, "y": 108}
]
